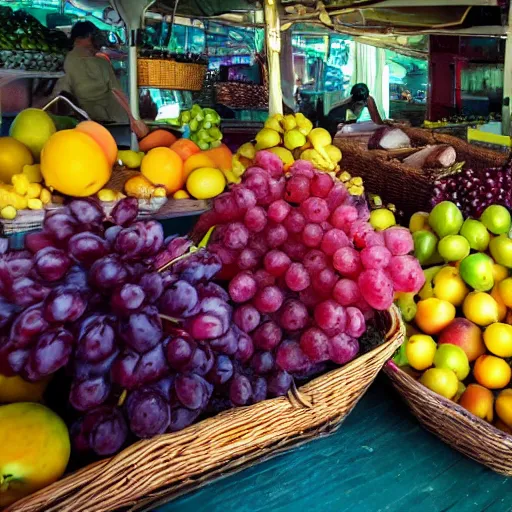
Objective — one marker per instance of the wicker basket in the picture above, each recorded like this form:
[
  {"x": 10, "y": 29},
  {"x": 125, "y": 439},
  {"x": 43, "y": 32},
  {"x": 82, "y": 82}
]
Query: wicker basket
[
  {"x": 162, "y": 468},
  {"x": 169, "y": 74},
  {"x": 410, "y": 189},
  {"x": 453, "y": 424}
]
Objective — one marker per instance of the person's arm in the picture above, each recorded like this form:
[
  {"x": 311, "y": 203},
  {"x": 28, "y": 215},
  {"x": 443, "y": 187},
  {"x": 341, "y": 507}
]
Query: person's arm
[
  {"x": 374, "y": 111},
  {"x": 138, "y": 126}
]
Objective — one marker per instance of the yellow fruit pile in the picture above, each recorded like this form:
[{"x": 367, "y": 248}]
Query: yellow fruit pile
[
  {"x": 291, "y": 137},
  {"x": 25, "y": 191},
  {"x": 461, "y": 320},
  {"x": 354, "y": 185}
]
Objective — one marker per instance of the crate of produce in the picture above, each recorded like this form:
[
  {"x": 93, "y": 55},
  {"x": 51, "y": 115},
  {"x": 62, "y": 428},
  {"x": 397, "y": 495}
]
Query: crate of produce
[
  {"x": 31, "y": 60},
  {"x": 170, "y": 74}
]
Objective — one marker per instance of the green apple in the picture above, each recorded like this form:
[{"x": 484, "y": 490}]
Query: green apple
[
  {"x": 445, "y": 219},
  {"x": 476, "y": 270},
  {"x": 476, "y": 234},
  {"x": 496, "y": 219},
  {"x": 500, "y": 248},
  {"x": 453, "y": 248},
  {"x": 452, "y": 357}
]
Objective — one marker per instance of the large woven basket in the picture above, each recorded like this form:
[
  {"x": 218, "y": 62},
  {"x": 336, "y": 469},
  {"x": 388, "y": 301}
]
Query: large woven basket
[
  {"x": 160, "y": 469},
  {"x": 453, "y": 424},
  {"x": 169, "y": 74},
  {"x": 410, "y": 189}
]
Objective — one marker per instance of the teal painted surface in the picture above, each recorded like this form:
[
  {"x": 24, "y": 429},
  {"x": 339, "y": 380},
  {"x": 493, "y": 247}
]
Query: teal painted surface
[{"x": 380, "y": 460}]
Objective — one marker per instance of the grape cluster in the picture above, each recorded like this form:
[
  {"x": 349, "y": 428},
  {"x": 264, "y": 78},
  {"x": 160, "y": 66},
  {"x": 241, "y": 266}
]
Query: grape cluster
[
  {"x": 474, "y": 190},
  {"x": 306, "y": 270}
]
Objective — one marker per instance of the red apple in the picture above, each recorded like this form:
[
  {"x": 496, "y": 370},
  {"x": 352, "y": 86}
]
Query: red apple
[{"x": 466, "y": 335}]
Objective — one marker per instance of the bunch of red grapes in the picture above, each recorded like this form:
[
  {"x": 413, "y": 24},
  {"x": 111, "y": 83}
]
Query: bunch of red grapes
[
  {"x": 474, "y": 190},
  {"x": 154, "y": 334}
]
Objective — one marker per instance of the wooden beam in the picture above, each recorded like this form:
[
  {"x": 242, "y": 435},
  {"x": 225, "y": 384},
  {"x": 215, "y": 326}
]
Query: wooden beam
[
  {"x": 507, "y": 79},
  {"x": 273, "y": 40}
]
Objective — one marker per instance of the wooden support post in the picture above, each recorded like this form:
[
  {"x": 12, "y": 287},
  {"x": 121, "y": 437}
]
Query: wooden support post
[
  {"x": 273, "y": 41},
  {"x": 507, "y": 79}
]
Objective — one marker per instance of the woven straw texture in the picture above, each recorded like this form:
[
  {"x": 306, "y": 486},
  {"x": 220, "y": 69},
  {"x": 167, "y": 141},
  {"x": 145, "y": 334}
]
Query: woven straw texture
[
  {"x": 169, "y": 74},
  {"x": 171, "y": 464},
  {"x": 453, "y": 424}
]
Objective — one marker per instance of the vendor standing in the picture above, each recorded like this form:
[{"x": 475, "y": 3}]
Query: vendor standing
[
  {"x": 92, "y": 81},
  {"x": 350, "y": 109}
]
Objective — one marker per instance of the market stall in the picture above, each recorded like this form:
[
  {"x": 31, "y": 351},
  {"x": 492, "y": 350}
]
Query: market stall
[{"x": 154, "y": 363}]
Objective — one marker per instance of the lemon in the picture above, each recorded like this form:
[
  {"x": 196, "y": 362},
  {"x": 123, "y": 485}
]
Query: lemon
[
  {"x": 498, "y": 339},
  {"x": 46, "y": 196},
  {"x": 420, "y": 350},
  {"x": 206, "y": 183},
  {"x": 107, "y": 195},
  {"x": 160, "y": 192},
  {"x": 34, "y": 190},
  {"x": 442, "y": 381},
  {"x": 8, "y": 213},
  {"x": 382, "y": 219},
  {"x": 35, "y": 204},
  {"x": 267, "y": 138},
  {"x": 13, "y": 157},
  {"x": 480, "y": 308},
  {"x": 181, "y": 194},
  {"x": 33, "y": 127},
  {"x": 284, "y": 154}
]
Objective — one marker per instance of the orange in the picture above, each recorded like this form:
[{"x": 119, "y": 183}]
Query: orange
[
  {"x": 102, "y": 136},
  {"x": 163, "y": 167},
  {"x": 433, "y": 315},
  {"x": 157, "y": 139},
  {"x": 196, "y": 162},
  {"x": 222, "y": 157},
  {"x": 185, "y": 148},
  {"x": 492, "y": 372},
  {"x": 13, "y": 157},
  {"x": 140, "y": 187},
  {"x": 74, "y": 164}
]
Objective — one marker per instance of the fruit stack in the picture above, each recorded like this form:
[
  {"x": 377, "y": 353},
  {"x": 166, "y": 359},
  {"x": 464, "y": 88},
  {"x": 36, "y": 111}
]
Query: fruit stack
[
  {"x": 204, "y": 126},
  {"x": 461, "y": 325},
  {"x": 291, "y": 137}
]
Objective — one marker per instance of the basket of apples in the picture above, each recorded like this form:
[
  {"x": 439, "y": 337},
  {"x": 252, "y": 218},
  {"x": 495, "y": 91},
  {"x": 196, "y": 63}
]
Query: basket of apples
[
  {"x": 454, "y": 370},
  {"x": 181, "y": 362}
]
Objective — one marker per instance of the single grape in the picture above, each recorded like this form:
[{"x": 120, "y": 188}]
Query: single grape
[
  {"x": 19, "y": 266},
  {"x": 312, "y": 235},
  {"x": 221, "y": 372},
  {"x": 268, "y": 299},
  {"x": 295, "y": 249},
  {"x": 87, "y": 211},
  {"x": 315, "y": 261},
  {"x": 245, "y": 198},
  {"x": 107, "y": 273},
  {"x": 343, "y": 217},
  {"x": 297, "y": 189},
  {"x": 259, "y": 389},
  {"x": 8, "y": 312},
  {"x": 180, "y": 300},
  {"x": 226, "y": 344},
  {"x": 248, "y": 259},
  {"x": 141, "y": 331},
  {"x": 236, "y": 236},
  {"x": 291, "y": 358},
  {"x": 245, "y": 348},
  {"x": 208, "y": 290},
  {"x": 181, "y": 417},
  {"x": 109, "y": 434},
  {"x": 276, "y": 263},
  {"x": 336, "y": 196},
  {"x": 25, "y": 292},
  {"x": 27, "y": 325},
  {"x": 64, "y": 304},
  {"x": 272, "y": 163},
  {"x": 125, "y": 211},
  {"x": 130, "y": 243},
  {"x": 16, "y": 363},
  {"x": 51, "y": 263},
  {"x": 206, "y": 326},
  {"x": 259, "y": 184},
  {"x": 399, "y": 241},
  {"x": 192, "y": 391},
  {"x": 219, "y": 308},
  {"x": 276, "y": 189},
  {"x": 259, "y": 244},
  {"x": 343, "y": 348},
  {"x": 111, "y": 234},
  {"x": 199, "y": 267},
  {"x": 60, "y": 226},
  {"x": 295, "y": 222},
  {"x": 376, "y": 288},
  {"x": 225, "y": 207},
  {"x": 267, "y": 336},
  {"x": 179, "y": 352},
  {"x": 330, "y": 317},
  {"x": 262, "y": 362},
  {"x": 315, "y": 344},
  {"x": 347, "y": 262},
  {"x": 87, "y": 247},
  {"x": 88, "y": 394},
  {"x": 77, "y": 277},
  {"x": 321, "y": 184},
  {"x": 152, "y": 286},
  {"x": 315, "y": 209},
  {"x": 278, "y": 210},
  {"x": 149, "y": 414},
  {"x": 127, "y": 299},
  {"x": 346, "y": 292},
  {"x": 276, "y": 235},
  {"x": 242, "y": 287},
  {"x": 246, "y": 317},
  {"x": 333, "y": 240},
  {"x": 406, "y": 274},
  {"x": 324, "y": 281},
  {"x": 240, "y": 390},
  {"x": 297, "y": 277},
  {"x": 310, "y": 297},
  {"x": 35, "y": 242},
  {"x": 152, "y": 366},
  {"x": 302, "y": 168},
  {"x": 264, "y": 279},
  {"x": 255, "y": 219},
  {"x": 375, "y": 257},
  {"x": 96, "y": 339},
  {"x": 293, "y": 315},
  {"x": 356, "y": 325}
]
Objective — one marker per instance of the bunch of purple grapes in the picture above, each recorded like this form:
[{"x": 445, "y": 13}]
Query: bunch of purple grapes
[
  {"x": 306, "y": 270},
  {"x": 474, "y": 190}
]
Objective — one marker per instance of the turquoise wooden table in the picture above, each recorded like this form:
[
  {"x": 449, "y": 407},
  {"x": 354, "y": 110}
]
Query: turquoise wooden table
[{"x": 380, "y": 460}]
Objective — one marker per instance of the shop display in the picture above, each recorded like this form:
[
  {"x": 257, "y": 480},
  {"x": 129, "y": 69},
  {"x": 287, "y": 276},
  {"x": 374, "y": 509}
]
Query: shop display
[{"x": 26, "y": 44}]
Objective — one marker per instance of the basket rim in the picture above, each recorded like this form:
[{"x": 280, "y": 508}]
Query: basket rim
[
  {"x": 79, "y": 482},
  {"x": 391, "y": 369}
]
